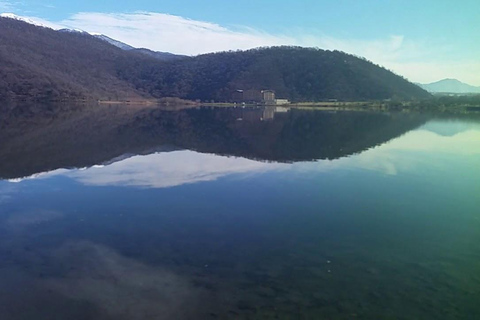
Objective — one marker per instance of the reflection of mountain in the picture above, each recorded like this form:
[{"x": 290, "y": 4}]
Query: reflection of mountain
[
  {"x": 97, "y": 135},
  {"x": 449, "y": 128}
]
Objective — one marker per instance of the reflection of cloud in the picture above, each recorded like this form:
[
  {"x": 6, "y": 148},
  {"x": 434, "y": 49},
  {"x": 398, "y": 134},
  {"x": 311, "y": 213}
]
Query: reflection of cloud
[
  {"x": 450, "y": 127},
  {"x": 406, "y": 152},
  {"x": 168, "y": 169},
  {"x": 18, "y": 221},
  {"x": 120, "y": 287},
  {"x": 4, "y": 198},
  {"x": 465, "y": 143},
  {"x": 6, "y": 191}
]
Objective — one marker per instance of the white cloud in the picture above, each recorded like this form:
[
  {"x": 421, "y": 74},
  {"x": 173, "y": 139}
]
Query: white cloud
[
  {"x": 164, "y": 32},
  {"x": 6, "y": 5}
]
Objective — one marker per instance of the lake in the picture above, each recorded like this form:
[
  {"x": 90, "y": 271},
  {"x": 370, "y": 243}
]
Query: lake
[{"x": 238, "y": 213}]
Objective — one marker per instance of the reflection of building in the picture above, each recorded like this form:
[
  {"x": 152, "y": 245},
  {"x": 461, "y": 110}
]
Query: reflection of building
[
  {"x": 281, "y": 101},
  {"x": 281, "y": 109},
  {"x": 268, "y": 97},
  {"x": 268, "y": 113},
  {"x": 255, "y": 114}
]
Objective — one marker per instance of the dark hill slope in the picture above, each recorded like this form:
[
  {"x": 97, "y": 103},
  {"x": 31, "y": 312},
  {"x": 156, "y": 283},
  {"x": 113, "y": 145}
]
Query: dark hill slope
[
  {"x": 41, "y": 63},
  {"x": 299, "y": 74}
]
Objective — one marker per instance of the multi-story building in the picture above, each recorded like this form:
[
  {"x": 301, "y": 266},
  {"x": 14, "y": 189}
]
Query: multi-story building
[{"x": 268, "y": 97}]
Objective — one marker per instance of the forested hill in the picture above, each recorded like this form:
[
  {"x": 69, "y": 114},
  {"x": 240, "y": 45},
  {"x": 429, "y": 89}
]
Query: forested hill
[
  {"x": 295, "y": 73},
  {"x": 40, "y": 63},
  {"x": 44, "y": 64}
]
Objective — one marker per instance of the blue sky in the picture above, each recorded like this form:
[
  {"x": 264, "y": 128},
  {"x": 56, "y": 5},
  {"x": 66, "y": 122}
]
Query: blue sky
[{"x": 424, "y": 40}]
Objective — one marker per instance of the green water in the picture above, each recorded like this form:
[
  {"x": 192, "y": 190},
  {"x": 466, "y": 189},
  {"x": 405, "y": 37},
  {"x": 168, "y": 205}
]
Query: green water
[{"x": 303, "y": 216}]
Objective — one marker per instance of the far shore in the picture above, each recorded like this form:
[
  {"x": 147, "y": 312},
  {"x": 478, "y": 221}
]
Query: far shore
[{"x": 453, "y": 105}]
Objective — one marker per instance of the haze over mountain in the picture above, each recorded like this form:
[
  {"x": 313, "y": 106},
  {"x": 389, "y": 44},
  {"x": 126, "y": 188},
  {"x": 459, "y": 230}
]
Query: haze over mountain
[
  {"x": 41, "y": 63},
  {"x": 450, "y": 86}
]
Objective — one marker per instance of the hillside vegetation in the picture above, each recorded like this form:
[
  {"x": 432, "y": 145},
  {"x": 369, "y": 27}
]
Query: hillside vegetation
[
  {"x": 298, "y": 74},
  {"x": 43, "y": 64}
]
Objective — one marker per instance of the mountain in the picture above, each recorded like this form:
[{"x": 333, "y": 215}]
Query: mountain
[
  {"x": 23, "y": 19},
  {"x": 156, "y": 54},
  {"x": 114, "y": 42},
  {"x": 294, "y": 73},
  {"x": 43, "y": 64},
  {"x": 166, "y": 56},
  {"x": 450, "y": 86}
]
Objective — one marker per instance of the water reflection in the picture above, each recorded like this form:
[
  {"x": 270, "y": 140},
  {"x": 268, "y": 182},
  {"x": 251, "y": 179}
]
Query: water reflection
[
  {"x": 175, "y": 168},
  {"x": 162, "y": 170},
  {"x": 383, "y": 222},
  {"x": 83, "y": 138},
  {"x": 420, "y": 148}
]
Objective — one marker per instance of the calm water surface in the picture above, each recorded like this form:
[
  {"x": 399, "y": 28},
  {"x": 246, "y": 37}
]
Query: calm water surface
[{"x": 240, "y": 214}]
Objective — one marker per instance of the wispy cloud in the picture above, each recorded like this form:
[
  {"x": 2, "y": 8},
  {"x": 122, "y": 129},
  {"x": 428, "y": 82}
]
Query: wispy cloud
[
  {"x": 164, "y": 32},
  {"x": 7, "y": 5}
]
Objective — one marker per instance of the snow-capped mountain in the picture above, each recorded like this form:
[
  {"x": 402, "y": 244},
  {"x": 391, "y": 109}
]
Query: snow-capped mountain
[
  {"x": 114, "y": 42},
  {"x": 61, "y": 28},
  {"x": 35, "y": 21}
]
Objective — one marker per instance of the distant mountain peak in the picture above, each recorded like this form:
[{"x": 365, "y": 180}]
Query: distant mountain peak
[{"x": 450, "y": 85}]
